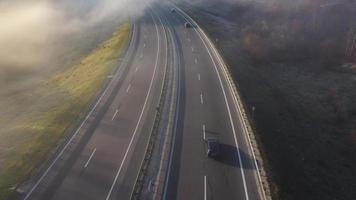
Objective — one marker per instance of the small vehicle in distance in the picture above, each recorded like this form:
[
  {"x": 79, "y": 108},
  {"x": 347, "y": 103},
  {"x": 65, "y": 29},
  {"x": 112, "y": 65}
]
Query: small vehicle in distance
[
  {"x": 213, "y": 147},
  {"x": 173, "y": 10},
  {"x": 188, "y": 25}
]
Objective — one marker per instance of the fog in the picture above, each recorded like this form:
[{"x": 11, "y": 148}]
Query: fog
[
  {"x": 25, "y": 29},
  {"x": 33, "y": 33}
]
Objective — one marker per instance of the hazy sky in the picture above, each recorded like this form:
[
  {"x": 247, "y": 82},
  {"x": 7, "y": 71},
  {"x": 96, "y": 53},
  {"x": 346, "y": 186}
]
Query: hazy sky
[{"x": 29, "y": 27}]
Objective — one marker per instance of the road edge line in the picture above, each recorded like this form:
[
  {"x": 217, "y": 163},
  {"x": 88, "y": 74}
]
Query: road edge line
[
  {"x": 44, "y": 169},
  {"x": 263, "y": 183},
  {"x": 156, "y": 121}
]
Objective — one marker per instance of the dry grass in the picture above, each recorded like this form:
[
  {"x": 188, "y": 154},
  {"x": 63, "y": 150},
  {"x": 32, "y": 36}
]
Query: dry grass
[
  {"x": 296, "y": 69},
  {"x": 62, "y": 99}
]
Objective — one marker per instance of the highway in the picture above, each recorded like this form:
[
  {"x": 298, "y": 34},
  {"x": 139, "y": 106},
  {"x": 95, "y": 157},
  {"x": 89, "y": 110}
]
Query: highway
[
  {"x": 114, "y": 142},
  {"x": 206, "y": 110},
  {"x": 102, "y": 159}
]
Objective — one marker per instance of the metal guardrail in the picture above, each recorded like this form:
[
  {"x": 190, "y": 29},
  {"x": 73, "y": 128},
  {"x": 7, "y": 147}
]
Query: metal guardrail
[{"x": 261, "y": 173}]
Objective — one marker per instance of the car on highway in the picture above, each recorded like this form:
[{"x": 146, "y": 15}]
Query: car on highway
[
  {"x": 188, "y": 25},
  {"x": 213, "y": 147}
]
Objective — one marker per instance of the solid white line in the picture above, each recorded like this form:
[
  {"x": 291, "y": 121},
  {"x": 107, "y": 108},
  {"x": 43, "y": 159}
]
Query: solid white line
[
  {"x": 91, "y": 156},
  {"x": 201, "y": 98},
  {"x": 174, "y": 132},
  {"x": 149, "y": 185},
  {"x": 228, "y": 109},
  {"x": 113, "y": 117},
  {"x": 196, "y": 61},
  {"x": 69, "y": 141},
  {"x": 204, "y": 137},
  {"x": 165, "y": 35},
  {"x": 199, "y": 77},
  {"x": 128, "y": 88},
  {"x": 205, "y": 192},
  {"x": 139, "y": 119},
  {"x": 243, "y": 123}
]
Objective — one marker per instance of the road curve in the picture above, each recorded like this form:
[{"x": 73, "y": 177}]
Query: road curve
[
  {"x": 207, "y": 110},
  {"x": 103, "y": 157},
  {"x": 110, "y": 143}
]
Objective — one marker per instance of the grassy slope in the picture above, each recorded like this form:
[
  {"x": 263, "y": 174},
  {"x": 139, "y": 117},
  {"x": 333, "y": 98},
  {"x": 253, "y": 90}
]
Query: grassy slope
[
  {"x": 293, "y": 71},
  {"x": 61, "y": 102}
]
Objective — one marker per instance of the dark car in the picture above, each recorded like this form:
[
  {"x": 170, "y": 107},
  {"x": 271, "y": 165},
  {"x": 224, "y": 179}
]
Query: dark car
[
  {"x": 188, "y": 25},
  {"x": 173, "y": 10},
  {"x": 213, "y": 147}
]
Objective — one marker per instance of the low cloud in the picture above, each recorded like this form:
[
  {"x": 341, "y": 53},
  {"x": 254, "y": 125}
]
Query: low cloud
[
  {"x": 29, "y": 28},
  {"x": 25, "y": 29}
]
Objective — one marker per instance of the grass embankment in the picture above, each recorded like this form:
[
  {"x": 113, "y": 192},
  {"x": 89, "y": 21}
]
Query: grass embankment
[
  {"x": 296, "y": 66},
  {"x": 61, "y": 102}
]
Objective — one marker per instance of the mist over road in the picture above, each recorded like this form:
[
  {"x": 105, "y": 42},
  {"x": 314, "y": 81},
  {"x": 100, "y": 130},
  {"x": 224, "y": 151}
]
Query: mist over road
[{"x": 104, "y": 159}]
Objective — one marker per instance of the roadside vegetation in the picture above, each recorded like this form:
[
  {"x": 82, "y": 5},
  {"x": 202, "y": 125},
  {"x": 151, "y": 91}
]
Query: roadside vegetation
[
  {"x": 296, "y": 64},
  {"x": 60, "y": 101}
]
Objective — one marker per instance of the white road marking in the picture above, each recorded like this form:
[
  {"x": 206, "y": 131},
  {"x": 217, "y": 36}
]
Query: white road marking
[
  {"x": 128, "y": 88},
  {"x": 173, "y": 143},
  {"x": 144, "y": 44},
  {"x": 113, "y": 117},
  {"x": 226, "y": 102},
  {"x": 141, "y": 56},
  {"x": 149, "y": 186},
  {"x": 204, "y": 137},
  {"x": 91, "y": 156},
  {"x": 205, "y": 196},
  {"x": 201, "y": 98},
  {"x": 192, "y": 49},
  {"x": 196, "y": 61},
  {"x": 199, "y": 77},
  {"x": 67, "y": 144},
  {"x": 136, "y": 69},
  {"x": 139, "y": 119},
  {"x": 189, "y": 39}
]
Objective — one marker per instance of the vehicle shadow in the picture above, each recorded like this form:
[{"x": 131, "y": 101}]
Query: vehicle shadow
[{"x": 229, "y": 155}]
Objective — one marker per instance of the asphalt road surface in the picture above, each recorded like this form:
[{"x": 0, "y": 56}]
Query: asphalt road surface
[
  {"x": 106, "y": 163},
  {"x": 206, "y": 111}
]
